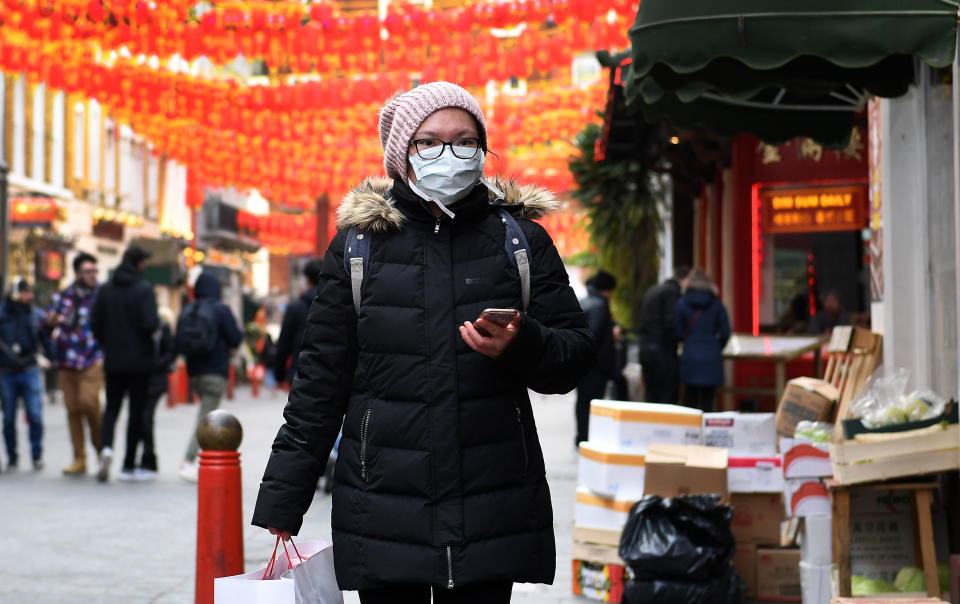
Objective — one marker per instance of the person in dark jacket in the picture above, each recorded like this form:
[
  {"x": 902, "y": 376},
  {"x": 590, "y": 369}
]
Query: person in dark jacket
[
  {"x": 124, "y": 317},
  {"x": 20, "y": 342},
  {"x": 294, "y": 322},
  {"x": 440, "y": 480},
  {"x": 594, "y": 384},
  {"x": 704, "y": 329},
  {"x": 659, "y": 338},
  {"x": 163, "y": 364},
  {"x": 208, "y": 372}
]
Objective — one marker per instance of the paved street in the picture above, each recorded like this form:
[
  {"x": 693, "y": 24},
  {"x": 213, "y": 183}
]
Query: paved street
[{"x": 75, "y": 540}]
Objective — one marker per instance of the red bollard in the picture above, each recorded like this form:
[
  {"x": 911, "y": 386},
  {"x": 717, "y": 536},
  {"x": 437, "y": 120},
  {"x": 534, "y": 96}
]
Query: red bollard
[{"x": 219, "y": 502}]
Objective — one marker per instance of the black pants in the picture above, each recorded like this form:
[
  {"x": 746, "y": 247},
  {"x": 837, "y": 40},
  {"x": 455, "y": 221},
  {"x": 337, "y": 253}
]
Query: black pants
[
  {"x": 593, "y": 385},
  {"x": 120, "y": 385},
  {"x": 700, "y": 397},
  {"x": 148, "y": 456},
  {"x": 659, "y": 378},
  {"x": 480, "y": 593}
]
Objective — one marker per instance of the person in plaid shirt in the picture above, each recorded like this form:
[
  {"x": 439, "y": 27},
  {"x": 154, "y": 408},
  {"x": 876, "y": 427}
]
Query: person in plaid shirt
[{"x": 79, "y": 358}]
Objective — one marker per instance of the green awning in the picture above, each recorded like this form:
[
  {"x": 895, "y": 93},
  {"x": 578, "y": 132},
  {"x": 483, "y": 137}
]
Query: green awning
[{"x": 772, "y": 60}]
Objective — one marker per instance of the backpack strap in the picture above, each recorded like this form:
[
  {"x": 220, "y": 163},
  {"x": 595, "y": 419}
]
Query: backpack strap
[
  {"x": 356, "y": 256},
  {"x": 356, "y": 253},
  {"x": 515, "y": 242}
]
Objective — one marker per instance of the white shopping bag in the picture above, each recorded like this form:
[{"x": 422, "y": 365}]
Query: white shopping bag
[
  {"x": 252, "y": 588},
  {"x": 277, "y": 584},
  {"x": 314, "y": 581}
]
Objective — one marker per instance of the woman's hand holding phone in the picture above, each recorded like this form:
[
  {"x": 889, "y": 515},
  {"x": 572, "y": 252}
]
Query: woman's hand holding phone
[{"x": 492, "y": 332}]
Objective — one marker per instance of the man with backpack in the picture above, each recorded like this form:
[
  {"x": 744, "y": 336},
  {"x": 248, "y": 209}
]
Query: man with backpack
[
  {"x": 206, "y": 331},
  {"x": 124, "y": 318}
]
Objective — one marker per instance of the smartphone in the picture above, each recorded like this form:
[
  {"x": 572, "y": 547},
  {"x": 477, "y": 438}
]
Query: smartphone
[{"x": 497, "y": 316}]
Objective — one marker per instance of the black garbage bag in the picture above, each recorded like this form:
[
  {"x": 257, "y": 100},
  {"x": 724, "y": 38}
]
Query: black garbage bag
[
  {"x": 728, "y": 588},
  {"x": 685, "y": 538}
]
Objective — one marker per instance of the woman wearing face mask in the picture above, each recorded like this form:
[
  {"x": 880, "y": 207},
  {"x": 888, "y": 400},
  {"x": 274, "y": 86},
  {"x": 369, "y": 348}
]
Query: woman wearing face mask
[{"x": 439, "y": 483}]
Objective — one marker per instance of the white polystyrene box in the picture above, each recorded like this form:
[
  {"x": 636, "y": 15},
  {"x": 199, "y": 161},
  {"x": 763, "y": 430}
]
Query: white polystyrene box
[
  {"x": 628, "y": 427},
  {"x": 816, "y": 583},
  {"x": 755, "y": 474},
  {"x": 744, "y": 434},
  {"x": 612, "y": 474},
  {"x": 596, "y": 511}
]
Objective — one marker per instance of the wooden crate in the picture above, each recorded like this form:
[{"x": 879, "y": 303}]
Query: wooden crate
[{"x": 908, "y": 455}]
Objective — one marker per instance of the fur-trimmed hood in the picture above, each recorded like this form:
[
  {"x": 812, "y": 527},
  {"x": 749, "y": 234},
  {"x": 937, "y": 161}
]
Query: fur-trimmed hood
[{"x": 367, "y": 206}]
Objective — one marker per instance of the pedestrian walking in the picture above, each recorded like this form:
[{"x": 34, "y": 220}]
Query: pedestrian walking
[
  {"x": 124, "y": 319},
  {"x": 294, "y": 323},
  {"x": 206, "y": 332},
  {"x": 704, "y": 329},
  {"x": 659, "y": 338},
  {"x": 596, "y": 305},
  {"x": 20, "y": 343},
  {"x": 79, "y": 358},
  {"x": 440, "y": 481},
  {"x": 163, "y": 363}
]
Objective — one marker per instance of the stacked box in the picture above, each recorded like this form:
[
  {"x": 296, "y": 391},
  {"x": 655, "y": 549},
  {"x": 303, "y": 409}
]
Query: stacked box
[
  {"x": 611, "y": 474},
  {"x": 625, "y": 427}
]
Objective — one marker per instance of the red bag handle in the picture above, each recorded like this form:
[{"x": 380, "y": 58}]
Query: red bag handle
[{"x": 273, "y": 557}]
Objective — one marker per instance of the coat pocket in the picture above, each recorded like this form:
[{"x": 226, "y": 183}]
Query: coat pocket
[{"x": 364, "y": 443}]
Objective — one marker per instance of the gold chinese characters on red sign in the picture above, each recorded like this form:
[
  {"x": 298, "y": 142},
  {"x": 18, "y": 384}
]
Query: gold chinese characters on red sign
[{"x": 814, "y": 208}]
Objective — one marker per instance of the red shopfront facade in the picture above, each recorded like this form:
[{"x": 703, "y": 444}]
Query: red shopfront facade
[{"x": 783, "y": 227}]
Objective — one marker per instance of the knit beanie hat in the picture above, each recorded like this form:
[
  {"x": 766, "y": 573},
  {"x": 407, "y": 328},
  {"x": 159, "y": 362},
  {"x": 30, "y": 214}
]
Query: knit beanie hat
[{"x": 403, "y": 114}]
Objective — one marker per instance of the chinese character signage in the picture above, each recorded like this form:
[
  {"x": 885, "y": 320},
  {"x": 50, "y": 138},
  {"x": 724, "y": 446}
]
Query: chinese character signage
[
  {"x": 32, "y": 211},
  {"x": 814, "y": 208}
]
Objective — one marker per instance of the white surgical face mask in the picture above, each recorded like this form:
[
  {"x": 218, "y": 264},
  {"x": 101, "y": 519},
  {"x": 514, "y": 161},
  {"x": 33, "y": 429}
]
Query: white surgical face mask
[{"x": 446, "y": 179}]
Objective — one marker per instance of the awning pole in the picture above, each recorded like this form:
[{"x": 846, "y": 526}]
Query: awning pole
[{"x": 956, "y": 188}]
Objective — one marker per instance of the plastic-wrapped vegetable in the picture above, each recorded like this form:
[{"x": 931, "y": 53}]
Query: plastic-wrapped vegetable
[
  {"x": 864, "y": 586},
  {"x": 684, "y": 538},
  {"x": 882, "y": 402},
  {"x": 815, "y": 432}
]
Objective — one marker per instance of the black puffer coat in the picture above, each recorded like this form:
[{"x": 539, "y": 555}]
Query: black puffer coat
[
  {"x": 440, "y": 477},
  {"x": 123, "y": 319}
]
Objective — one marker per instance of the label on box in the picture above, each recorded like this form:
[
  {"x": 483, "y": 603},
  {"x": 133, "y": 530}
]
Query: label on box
[
  {"x": 603, "y": 582},
  {"x": 744, "y": 434},
  {"x": 881, "y": 544}
]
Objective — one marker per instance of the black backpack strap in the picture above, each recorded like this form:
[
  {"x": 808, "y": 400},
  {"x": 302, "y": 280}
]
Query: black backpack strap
[
  {"x": 356, "y": 254},
  {"x": 515, "y": 242}
]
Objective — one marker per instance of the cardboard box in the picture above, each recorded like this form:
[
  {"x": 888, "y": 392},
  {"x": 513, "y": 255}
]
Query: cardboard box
[
  {"x": 631, "y": 427},
  {"x": 807, "y": 399},
  {"x": 756, "y": 517},
  {"x": 603, "y": 554},
  {"x": 686, "y": 469},
  {"x": 612, "y": 474},
  {"x": 816, "y": 583},
  {"x": 806, "y": 497},
  {"x": 601, "y": 582},
  {"x": 743, "y": 434},
  {"x": 778, "y": 575},
  {"x": 596, "y": 511},
  {"x": 755, "y": 474},
  {"x": 745, "y": 561},
  {"x": 816, "y": 540},
  {"x": 804, "y": 459},
  {"x": 587, "y": 534}
]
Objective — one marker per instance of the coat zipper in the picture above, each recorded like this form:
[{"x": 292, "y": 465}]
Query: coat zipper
[
  {"x": 436, "y": 227},
  {"x": 364, "y": 434},
  {"x": 450, "y": 583},
  {"x": 523, "y": 442}
]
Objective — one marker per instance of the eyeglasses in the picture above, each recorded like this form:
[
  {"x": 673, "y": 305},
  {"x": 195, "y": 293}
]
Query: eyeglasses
[{"x": 432, "y": 148}]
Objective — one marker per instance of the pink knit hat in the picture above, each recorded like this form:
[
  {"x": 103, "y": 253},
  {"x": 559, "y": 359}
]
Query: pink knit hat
[{"x": 403, "y": 114}]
